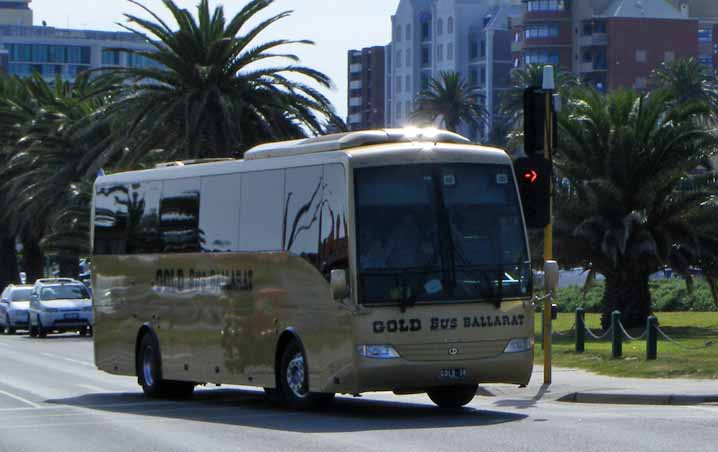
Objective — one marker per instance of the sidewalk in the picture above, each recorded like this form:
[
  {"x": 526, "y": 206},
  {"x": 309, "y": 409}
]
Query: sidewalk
[{"x": 573, "y": 385}]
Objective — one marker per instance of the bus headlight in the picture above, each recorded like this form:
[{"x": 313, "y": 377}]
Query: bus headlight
[
  {"x": 523, "y": 344},
  {"x": 378, "y": 351}
]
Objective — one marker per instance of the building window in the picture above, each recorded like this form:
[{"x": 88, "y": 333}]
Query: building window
[
  {"x": 440, "y": 27},
  {"x": 398, "y": 84},
  {"x": 706, "y": 61},
  {"x": 397, "y": 36},
  {"x": 483, "y": 49},
  {"x": 407, "y": 83},
  {"x": 450, "y": 25},
  {"x": 546, "y": 5},
  {"x": 398, "y": 58},
  {"x": 640, "y": 83},
  {"x": 473, "y": 77},
  {"x": 587, "y": 56},
  {"x": 640, "y": 56},
  {"x": 426, "y": 27},
  {"x": 110, "y": 57},
  {"x": 425, "y": 79},
  {"x": 473, "y": 47},
  {"x": 705, "y": 34},
  {"x": 670, "y": 56},
  {"x": 398, "y": 111},
  {"x": 542, "y": 31},
  {"x": 440, "y": 53},
  {"x": 408, "y": 32},
  {"x": 542, "y": 57},
  {"x": 408, "y": 58},
  {"x": 425, "y": 56},
  {"x": 450, "y": 51}
]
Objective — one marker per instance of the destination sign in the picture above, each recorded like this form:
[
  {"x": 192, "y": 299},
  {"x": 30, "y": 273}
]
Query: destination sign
[{"x": 447, "y": 323}]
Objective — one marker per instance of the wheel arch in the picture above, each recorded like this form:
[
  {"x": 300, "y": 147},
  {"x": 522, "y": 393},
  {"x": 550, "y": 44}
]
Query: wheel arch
[
  {"x": 146, "y": 329},
  {"x": 287, "y": 336}
]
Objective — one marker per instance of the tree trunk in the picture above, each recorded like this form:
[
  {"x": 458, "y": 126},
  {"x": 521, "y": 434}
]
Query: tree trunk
[
  {"x": 628, "y": 293},
  {"x": 8, "y": 260},
  {"x": 33, "y": 259},
  {"x": 69, "y": 267}
]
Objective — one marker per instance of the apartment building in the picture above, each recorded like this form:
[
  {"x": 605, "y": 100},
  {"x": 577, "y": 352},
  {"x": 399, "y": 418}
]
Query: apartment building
[
  {"x": 51, "y": 51},
  {"x": 470, "y": 37},
  {"x": 366, "y": 73},
  {"x": 614, "y": 43}
]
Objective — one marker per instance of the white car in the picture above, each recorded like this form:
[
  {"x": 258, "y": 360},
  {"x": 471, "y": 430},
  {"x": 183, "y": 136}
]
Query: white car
[
  {"x": 14, "y": 305},
  {"x": 60, "y": 305}
]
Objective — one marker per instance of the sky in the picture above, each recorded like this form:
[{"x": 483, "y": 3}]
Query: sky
[{"x": 336, "y": 26}]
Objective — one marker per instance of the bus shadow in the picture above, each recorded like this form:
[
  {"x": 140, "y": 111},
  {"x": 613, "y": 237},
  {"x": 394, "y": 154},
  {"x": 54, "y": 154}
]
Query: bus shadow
[{"x": 245, "y": 408}]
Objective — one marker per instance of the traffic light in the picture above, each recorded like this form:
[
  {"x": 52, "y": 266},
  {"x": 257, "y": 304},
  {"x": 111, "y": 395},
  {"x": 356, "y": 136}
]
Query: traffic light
[
  {"x": 535, "y": 121},
  {"x": 533, "y": 175}
]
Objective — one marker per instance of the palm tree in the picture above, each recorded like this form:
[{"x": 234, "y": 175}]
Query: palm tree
[
  {"x": 623, "y": 212},
  {"x": 209, "y": 89},
  {"x": 453, "y": 100},
  {"x": 688, "y": 81},
  {"x": 63, "y": 129}
]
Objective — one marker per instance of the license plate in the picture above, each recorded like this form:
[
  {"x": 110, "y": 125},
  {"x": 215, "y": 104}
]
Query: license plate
[
  {"x": 72, "y": 316},
  {"x": 452, "y": 374}
]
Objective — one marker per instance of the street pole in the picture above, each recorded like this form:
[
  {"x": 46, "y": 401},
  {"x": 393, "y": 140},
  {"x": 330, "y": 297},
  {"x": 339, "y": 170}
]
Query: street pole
[{"x": 548, "y": 87}]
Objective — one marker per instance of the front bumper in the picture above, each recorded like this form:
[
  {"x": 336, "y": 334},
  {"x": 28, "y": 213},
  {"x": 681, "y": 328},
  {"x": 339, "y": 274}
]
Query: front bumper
[
  {"x": 65, "y": 320},
  {"x": 402, "y": 375},
  {"x": 18, "y": 318}
]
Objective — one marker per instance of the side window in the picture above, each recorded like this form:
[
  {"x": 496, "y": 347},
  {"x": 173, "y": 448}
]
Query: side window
[
  {"x": 179, "y": 216},
  {"x": 143, "y": 230},
  {"x": 111, "y": 204},
  {"x": 302, "y": 212},
  {"x": 333, "y": 246},
  {"x": 260, "y": 221},
  {"x": 219, "y": 213}
]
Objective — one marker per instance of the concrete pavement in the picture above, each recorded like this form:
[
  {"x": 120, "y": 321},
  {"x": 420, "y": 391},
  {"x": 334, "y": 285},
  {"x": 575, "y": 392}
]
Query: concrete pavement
[{"x": 575, "y": 385}]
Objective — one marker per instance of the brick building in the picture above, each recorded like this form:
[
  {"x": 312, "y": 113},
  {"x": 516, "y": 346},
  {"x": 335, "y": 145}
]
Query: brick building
[
  {"x": 615, "y": 43},
  {"x": 366, "y": 88}
]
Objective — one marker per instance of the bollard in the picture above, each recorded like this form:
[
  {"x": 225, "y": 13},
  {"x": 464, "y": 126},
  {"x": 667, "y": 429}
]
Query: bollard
[
  {"x": 651, "y": 338},
  {"x": 580, "y": 330},
  {"x": 617, "y": 336}
]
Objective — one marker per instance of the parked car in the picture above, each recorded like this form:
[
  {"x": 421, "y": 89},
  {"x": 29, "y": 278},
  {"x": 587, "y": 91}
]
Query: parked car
[
  {"x": 60, "y": 305},
  {"x": 14, "y": 305}
]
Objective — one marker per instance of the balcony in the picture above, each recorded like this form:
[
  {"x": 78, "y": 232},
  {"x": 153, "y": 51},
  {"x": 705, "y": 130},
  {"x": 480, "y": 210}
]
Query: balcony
[
  {"x": 354, "y": 68},
  {"x": 356, "y": 84},
  {"x": 355, "y": 101},
  {"x": 517, "y": 46},
  {"x": 593, "y": 40},
  {"x": 592, "y": 66},
  {"x": 355, "y": 118}
]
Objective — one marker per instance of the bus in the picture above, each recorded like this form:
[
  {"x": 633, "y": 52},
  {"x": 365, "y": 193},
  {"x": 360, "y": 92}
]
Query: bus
[{"x": 386, "y": 260}]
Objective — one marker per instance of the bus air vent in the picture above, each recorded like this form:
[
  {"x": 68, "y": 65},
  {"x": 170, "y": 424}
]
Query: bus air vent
[
  {"x": 351, "y": 140},
  {"x": 190, "y": 162}
]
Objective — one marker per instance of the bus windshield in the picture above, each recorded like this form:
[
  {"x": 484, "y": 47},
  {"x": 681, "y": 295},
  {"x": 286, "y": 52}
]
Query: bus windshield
[{"x": 439, "y": 232}]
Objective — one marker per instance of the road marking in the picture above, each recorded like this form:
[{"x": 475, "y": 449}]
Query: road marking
[
  {"x": 76, "y": 361},
  {"x": 20, "y": 399},
  {"x": 4, "y": 344}
]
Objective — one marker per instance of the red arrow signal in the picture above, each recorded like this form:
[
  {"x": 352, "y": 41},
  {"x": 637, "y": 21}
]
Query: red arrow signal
[{"x": 530, "y": 176}]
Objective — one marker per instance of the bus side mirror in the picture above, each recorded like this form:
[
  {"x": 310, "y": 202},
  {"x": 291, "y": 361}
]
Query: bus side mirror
[
  {"x": 338, "y": 284},
  {"x": 550, "y": 275}
]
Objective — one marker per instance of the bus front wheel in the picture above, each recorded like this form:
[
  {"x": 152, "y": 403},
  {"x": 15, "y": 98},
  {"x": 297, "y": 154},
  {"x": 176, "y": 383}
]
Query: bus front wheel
[
  {"x": 294, "y": 381},
  {"x": 149, "y": 372},
  {"x": 452, "y": 397}
]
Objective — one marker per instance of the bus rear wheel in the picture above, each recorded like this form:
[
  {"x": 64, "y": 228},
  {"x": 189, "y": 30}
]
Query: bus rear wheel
[
  {"x": 453, "y": 396},
  {"x": 149, "y": 372},
  {"x": 293, "y": 387}
]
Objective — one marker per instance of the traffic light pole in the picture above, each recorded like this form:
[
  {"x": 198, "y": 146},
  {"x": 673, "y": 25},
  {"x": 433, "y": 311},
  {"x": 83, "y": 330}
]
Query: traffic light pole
[{"x": 548, "y": 235}]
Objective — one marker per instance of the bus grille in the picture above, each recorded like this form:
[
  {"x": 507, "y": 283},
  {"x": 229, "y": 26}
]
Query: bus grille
[{"x": 443, "y": 351}]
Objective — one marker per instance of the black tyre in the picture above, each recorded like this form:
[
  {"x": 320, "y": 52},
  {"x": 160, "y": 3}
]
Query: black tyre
[
  {"x": 8, "y": 329},
  {"x": 149, "y": 373},
  {"x": 293, "y": 384},
  {"x": 31, "y": 329},
  {"x": 41, "y": 331},
  {"x": 453, "y": 397},
  {"x": 84, "y": 331}
]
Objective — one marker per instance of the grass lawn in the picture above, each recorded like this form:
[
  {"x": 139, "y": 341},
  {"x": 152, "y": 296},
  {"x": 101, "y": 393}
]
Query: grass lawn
[{"x": 692, "y": 329}]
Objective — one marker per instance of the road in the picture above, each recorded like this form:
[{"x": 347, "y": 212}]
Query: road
[{"x": 53, "y": 398}]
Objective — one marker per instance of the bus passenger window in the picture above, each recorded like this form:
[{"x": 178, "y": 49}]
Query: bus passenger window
[
  {"x": 179, "y": 216},
  {"x": 219, "y": 213},
  {"x": 303, "y": 210},
  {"x": 333, "y": 246},
  {"x": 143, "y": 229},
  {"x": 260, "y": 221},
  {"x": 110, "y": 220}
]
